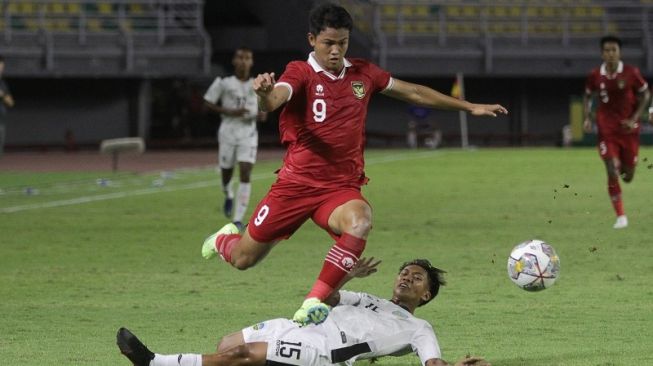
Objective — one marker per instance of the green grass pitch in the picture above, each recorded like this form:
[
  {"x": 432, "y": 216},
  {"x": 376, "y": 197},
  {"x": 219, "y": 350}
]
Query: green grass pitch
[{"x": 80, "y": 257}]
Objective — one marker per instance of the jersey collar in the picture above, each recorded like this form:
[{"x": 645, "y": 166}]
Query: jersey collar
[
  {"x": 317, "y": 68},
  {"x": 604, "y": 70}
]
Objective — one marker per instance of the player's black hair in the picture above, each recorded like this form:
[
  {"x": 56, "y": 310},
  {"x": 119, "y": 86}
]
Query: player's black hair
[
  {"x": 329, "y": 15},
  {"x": 610, "y": 39},
  {"x": 243, "y": 48},
  {"x": 436, "y": 276}
]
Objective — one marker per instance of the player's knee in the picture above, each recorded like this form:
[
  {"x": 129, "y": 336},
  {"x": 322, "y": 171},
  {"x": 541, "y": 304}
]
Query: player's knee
[{"x": 361, "y": 226}]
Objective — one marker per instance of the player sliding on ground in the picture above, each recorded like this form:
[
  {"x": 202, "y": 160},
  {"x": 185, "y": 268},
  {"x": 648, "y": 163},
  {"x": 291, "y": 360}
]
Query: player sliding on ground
[
  {"x": 361, "y": 326},
  {"x": 322, "y": 126}
]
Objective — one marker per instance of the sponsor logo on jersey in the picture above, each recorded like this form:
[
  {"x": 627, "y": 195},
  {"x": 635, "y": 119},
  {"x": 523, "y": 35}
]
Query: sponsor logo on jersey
[
  {"x": 358, "y": 88},
  {"x": 258, "y": 326},
  {"x": 621, "y": 83}
]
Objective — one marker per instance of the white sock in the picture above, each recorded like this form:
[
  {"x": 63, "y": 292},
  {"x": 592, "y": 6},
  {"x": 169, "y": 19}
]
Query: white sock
[
  {"x": 185, "y": 359},
  {"x": 228, "y": 189},
  {"x": 242, "y": 201}
]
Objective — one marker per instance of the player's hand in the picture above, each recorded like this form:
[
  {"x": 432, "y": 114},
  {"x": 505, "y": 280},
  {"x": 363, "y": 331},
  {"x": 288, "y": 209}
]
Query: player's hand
[
  {"x": 629, "y": 124},
  {"x": 237, "y": 112},
  {"x": 473, "y": 361},
  {"x": 364, "y": 267},
  {"x": 487, "y": 110},
  {"x": 587, "y": 125},
  {"x": 264, "y": 83}
]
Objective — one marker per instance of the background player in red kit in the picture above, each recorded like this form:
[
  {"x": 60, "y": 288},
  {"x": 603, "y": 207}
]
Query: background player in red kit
[
  {"x": 622, "y": 97},
  {"x": 323, "y": 128}
]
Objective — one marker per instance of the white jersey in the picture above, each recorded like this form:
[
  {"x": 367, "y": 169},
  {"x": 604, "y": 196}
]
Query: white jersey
[
  {"x": 364, "y": 322},
  {"x": 361, "y": 326},
  {"x": 234, "y": 93}
]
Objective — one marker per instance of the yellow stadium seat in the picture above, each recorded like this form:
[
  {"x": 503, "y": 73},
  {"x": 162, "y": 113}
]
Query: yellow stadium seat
[
  {"x": 597, "y": 11},
  {"x": 104, "y": 8},
  {"x": 580, "y": 12},
  {"x": 515, "y": 11},
  {"x": 73, "y": 8},
  {"x": 547, "y": 12},
  {"x": 407, "y": 10},
  {"x": 94, "y": 25},
  {"x": 389, "y": 11},
  {"x": 453, "y": 11},
  {"x": 422, "y": 11},
  {"x": 57, "y": 8},
  {"x": 470, "y": 11},
  {"x": 138, "y": 9},
  {"x": 532, "y": 11}
]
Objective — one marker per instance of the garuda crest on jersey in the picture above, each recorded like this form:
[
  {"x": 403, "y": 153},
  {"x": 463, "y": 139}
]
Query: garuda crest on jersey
[
  {"x": 358, "y": 88},
  {"x": 621, "y": 83}
]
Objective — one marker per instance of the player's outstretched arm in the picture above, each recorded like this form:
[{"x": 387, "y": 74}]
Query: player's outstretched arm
[
  {"x": 426, "y": 97},
  {"x": 467, "y": 361},
  {"x": 363, "y": 268},
  {"x": 269, "y": 96}
]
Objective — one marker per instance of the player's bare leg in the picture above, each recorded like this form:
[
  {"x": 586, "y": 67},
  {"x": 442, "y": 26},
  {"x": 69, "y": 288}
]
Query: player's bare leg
[
  {"x": 242, "y": 354},
  {"x": 247, "y": 354},
  {"x": 612, "y": 167},
  {"x": 241, "y": 251},
  {"x": 627, "y": 173},
  {"x": 226, "y": 175},
  {"x": 230, "y": 341},
  {"x": 353, "y": 222},
  {"x": 244, "y": 192}
]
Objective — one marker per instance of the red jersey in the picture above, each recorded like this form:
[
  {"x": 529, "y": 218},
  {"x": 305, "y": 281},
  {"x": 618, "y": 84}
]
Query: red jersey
[
  {"x": 617, "y": 95},
  {"x": 323, "y": 123}
]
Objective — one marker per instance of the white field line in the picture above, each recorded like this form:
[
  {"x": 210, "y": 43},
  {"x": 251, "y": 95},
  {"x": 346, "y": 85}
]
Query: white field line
[{"x": 195, "y": 185}]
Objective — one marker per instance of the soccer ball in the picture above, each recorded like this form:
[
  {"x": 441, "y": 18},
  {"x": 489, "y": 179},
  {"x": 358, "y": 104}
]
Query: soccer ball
[{"x": 533, "y": 265}]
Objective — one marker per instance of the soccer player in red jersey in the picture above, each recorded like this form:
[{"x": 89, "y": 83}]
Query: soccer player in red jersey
[
  {"x": 622, "y": 96},
  {"x": 322, "y": 126}
]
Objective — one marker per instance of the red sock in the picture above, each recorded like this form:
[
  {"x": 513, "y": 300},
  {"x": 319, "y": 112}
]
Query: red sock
[
  {"x": 341, "y": 257},
  {"x": 225, "y": 244},
  {"x": 615, "y": 195}
]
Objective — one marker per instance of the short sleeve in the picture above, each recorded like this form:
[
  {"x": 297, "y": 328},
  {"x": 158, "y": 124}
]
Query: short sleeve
[
  {"x": 214, "y": 92},
  {"x": 350, "y": 298},
  {"x": 590, "y": 84},
  {"x": 293, "y": 78},
  {"x": 425, "y": 344},
  {"x": 381, "y": 79},
  {"x": 639, "y": 84}
]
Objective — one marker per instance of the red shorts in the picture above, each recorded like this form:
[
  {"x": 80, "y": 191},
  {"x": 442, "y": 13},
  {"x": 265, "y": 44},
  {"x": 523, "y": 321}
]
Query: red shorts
[
  {"x": 288, "y": 205},
  {"x": 623, "y": 147}
]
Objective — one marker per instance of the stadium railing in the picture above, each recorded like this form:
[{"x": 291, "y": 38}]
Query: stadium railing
[
  {"x": 116, "y": 38},
  {"x": 487, "y": 30}
]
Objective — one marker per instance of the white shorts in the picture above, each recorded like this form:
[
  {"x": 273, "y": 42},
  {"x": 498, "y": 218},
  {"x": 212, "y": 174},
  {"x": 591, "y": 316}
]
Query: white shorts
[
  {"x": 289, "y": 344},
  {"x": 238, "y": 143}
]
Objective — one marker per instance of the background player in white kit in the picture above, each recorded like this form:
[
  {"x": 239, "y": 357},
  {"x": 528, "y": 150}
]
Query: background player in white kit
[
  {"x": 360, "y": 326},
  {"x": 237, "y": 136}
]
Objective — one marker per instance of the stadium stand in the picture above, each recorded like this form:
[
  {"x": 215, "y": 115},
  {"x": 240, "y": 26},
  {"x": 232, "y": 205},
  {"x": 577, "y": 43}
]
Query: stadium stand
[
  {"x": 105, "y": 38},
  {"x": 494, "y": 37}
]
